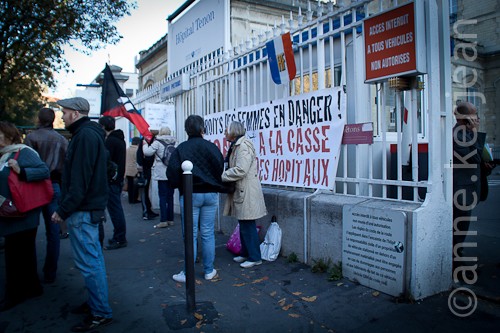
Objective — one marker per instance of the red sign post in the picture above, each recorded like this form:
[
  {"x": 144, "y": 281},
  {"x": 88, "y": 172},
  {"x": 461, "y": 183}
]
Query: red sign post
[{"x": 391, "y": 44}]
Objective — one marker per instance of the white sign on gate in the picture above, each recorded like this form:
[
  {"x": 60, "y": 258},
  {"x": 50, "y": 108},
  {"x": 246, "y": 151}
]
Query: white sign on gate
[
  {"x": 374, "y": 248},
  {"x": 160, "y": 115}
]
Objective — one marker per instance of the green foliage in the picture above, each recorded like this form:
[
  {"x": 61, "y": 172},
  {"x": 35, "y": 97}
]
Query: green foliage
[
  {"x": 292, "y": 258},
  {"x": 335, "y": 272},
  {"x": 320, "y": 265},
  {"x": 33, "y": 35}
]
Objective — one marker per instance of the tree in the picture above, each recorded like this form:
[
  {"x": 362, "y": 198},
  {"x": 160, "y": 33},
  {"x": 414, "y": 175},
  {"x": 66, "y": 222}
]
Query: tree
[{"x": 33, "y": 34}]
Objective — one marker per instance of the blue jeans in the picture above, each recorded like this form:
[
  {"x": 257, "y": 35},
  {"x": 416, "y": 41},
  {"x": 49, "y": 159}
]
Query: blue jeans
[
  {"x": 204, "y": 210},
  {"x": 84, "y": 237},
  {"x": 166, "y": 196},
  {"x": 250, "y": 242},
  {"x": 116, "y": 214},
  {"x": 52, "y": 231}
]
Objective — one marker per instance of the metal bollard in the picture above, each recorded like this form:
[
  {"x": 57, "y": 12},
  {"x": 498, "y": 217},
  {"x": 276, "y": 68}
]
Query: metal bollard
[{"x": 187, "y": 181}]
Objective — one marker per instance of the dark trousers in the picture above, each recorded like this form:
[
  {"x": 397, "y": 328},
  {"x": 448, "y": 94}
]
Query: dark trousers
[
  {"x": 146, "y": 202},
  {"x": 116, "y": 214},
  {"x": 463, "y": 205},
  {"x": 166, "y": 201},
  {"x": 21, "y": 276},
  {"x": 250, "y": 242},
  {"x": 132, "y": 190},
  {"x": 52, "y": 231}
]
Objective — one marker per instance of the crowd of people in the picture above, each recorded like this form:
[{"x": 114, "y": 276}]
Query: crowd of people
[{"x": 83, "y": 190}]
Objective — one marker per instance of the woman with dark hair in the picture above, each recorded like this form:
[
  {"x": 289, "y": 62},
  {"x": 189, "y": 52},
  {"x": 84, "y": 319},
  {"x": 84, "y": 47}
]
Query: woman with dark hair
[
  {"x": 247, "y": 202},
  {"x": 21, "y": 276}
]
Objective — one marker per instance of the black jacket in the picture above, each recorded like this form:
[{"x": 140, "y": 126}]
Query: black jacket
[
  {"x": 84, "y": 184},
  {"x": 115, "y": 143},
  {"x": 208, "y": 165}
]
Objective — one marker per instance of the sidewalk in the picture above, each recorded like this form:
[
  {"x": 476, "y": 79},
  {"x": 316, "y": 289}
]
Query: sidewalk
[{"x": 273, "y": 297}]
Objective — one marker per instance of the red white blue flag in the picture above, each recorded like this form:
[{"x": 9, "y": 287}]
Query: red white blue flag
[{"x": 281, "y": 59}]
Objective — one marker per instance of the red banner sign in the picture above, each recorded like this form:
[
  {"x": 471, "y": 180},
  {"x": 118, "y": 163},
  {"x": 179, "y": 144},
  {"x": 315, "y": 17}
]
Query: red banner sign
[{"x": 390, "y": 44}]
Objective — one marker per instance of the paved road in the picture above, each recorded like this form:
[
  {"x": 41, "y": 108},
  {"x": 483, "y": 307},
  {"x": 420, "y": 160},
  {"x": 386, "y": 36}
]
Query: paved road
[{"x": 274, "y": 297}]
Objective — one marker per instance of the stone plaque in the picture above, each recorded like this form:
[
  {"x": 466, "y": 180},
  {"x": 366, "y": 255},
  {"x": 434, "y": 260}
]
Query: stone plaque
[{"x": 374, "y": 248}]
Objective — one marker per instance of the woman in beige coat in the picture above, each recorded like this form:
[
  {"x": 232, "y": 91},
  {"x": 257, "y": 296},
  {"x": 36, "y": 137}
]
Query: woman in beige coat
[
  {"x": 131, "y": 170},
  {"x": 247, "y": 202}
]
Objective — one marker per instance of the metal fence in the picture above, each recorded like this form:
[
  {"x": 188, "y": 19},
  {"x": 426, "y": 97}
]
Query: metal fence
[{"x": 329, "y": 52}]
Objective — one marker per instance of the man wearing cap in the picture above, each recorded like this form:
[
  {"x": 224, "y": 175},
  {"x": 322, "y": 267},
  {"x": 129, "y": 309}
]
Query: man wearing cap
[
  {"x": 51, "y": 146},
  {"x": 84, "y": 194}
]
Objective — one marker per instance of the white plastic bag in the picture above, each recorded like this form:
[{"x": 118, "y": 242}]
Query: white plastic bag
[{"x": 270, "y": 247}]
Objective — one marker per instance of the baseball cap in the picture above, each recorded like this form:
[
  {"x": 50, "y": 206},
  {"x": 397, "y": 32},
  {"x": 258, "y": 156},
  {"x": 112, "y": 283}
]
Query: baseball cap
[{"x": 75, "y": 103}]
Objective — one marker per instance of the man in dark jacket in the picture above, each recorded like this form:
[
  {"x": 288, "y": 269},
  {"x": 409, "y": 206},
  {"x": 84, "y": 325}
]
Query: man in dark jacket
[
  {"x": 51, "y": 146},
  {"x": 115, "y": 143},
  {"x": 208, "y": 165},
  {"x": 84, "y": 193}
]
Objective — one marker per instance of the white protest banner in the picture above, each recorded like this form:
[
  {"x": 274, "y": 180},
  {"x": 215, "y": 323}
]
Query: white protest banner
[{"x": 297, "y": 139}]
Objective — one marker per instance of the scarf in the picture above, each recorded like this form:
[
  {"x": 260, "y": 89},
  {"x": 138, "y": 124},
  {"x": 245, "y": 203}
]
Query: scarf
[
  {"x": 230, "y": 150},
  {"x": 7, "y": 150}
]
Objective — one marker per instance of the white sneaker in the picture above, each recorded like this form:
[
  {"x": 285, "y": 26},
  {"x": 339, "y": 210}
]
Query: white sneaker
[
  {"x": 181, "y": 277},
  {"x": 248, "y": 264},
  {"x": 239, "y": 259},
  {"x": 211, "y": 275}
]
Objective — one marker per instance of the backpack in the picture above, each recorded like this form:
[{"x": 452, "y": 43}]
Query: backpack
[{"x": 167, "y": 152}]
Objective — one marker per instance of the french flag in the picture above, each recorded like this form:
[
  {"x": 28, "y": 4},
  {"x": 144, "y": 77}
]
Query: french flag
[{"x": 281, "y": 59}]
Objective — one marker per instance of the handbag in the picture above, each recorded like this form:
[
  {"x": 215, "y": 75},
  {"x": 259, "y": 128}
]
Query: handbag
[
  {"x": 234, "y": 242},
  {"x": 270, "y": 247},
  {"x": 228, "y": 187},
  {"x": 29, "y": 195},
  {"x": 139, "y": 180},
  {"x": 8, "y": 209}
]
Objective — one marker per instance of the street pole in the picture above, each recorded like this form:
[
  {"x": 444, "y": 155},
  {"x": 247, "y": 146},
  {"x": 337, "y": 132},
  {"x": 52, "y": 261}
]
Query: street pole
[{"x": 187, "y": 179}]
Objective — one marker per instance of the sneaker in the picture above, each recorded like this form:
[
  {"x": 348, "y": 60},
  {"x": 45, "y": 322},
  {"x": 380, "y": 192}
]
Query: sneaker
[
  {"x": 239, "y": 259},
  {"x": 248, "y": 264},
  {"x": 83, "y": 308},
  {"x": 211, "y": 275},
  {"x": 170, "y": 223},
  {"x": 181, "y": 277},
  {"x": 115, "y": 245},
  {"x": 161, "y": 225},
  {"x": 91, "y": 323}
]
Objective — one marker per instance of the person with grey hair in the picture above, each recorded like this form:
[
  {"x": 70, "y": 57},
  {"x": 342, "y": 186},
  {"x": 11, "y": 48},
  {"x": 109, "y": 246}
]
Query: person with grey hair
[
  {"x": 163, "y": 141},
  {"x": 51, "y": 146},
  {"x": 246, "y": 203},
  {"x": 84, "y": 194},
  {"x": 469, "y": 179}
]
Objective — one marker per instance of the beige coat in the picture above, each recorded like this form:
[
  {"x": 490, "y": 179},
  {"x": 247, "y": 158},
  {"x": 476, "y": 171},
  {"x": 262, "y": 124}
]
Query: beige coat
[
  {"x": 131, "y": 161},
  {"x": 247, "y": 201}
]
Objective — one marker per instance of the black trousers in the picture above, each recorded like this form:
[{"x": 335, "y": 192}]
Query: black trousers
[{"x": 21, "y": 275}]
